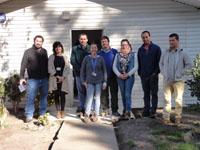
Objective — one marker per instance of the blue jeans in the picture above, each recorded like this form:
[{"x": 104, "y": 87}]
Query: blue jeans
[
  {"x": 126, "y": 90},
  {"x": 81, "y": 92},
  {"x": 33, "y": 86},
  {"x": 93, "y": 93}
]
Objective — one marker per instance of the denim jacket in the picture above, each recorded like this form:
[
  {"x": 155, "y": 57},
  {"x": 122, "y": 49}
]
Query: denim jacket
[{"x": 131, "y": 66}]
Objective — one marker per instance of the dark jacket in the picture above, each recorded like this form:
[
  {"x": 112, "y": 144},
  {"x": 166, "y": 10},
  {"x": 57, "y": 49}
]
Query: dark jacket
[
  {"x": 148, "y": 61},
  {"x": 36, "y": 62},
  {"x": 77, "y": 56}
]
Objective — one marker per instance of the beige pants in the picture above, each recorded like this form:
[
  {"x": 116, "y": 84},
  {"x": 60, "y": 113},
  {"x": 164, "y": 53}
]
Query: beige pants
[{"x": 176, "y": 89}]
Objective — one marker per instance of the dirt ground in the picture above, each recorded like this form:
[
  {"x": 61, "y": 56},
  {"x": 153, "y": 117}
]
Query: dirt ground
[
  {"x": 152, "y": 134},
  {"x": 135, "y": 134},
  {"x": 18, "y": 136}
]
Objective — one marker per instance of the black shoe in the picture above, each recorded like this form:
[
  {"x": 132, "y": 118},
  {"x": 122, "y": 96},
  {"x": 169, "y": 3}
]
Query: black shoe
[
  {"x": 78, "y": 110},
  {"x": 117, "y": 114},
  {"x": 123, "y": 114},
  {"x": 83, "y": 111},
  {"x": 145, "y": 114},
  {"x": 153, "y": 115}
]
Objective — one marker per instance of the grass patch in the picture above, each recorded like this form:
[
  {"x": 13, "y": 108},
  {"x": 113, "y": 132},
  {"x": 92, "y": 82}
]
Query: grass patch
[
  {"x": 163, "y": 144},
  {"x": 131, "y": 143},
  {"x": 193, "y": 108},
  {"x": 186, "y": 146},
  {"x": 174, "y": 136},
  {"x": 171, "y": 139}
]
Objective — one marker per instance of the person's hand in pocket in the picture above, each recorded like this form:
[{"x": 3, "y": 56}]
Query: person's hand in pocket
[
  {"x": 85, "y": 84},
  {"x": 104, "y": 85}
]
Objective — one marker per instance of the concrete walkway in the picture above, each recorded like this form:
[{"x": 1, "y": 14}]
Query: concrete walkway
[
  {"x": 73, "y": 134},
  {"x": 76, "y": 135}
]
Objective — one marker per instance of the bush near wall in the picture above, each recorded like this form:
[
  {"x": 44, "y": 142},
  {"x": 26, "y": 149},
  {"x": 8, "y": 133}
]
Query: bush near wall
[{"x": 194, "y": 82}]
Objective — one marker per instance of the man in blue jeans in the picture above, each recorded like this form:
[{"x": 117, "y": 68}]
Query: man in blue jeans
[
  {"x": 77, "y": 55},
  {"x": 35, "y": 62}
]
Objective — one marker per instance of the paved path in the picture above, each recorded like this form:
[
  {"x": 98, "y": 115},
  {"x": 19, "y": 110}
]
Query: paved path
[
  {"x": 76, "y": 135},
  {"x": 72, "y": 134}
]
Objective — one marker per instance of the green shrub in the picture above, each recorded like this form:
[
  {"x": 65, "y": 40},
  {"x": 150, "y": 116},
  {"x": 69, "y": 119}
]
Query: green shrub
[
  {"x": 2, "y": 87},
  {"x": 11, "y": 88},
  {"x": 186, "y": 146},
  {"x": 194, "y": 83}
]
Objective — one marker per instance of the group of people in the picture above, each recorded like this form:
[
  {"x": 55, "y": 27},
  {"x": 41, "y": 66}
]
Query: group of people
[{"x": 99, "y": 73}]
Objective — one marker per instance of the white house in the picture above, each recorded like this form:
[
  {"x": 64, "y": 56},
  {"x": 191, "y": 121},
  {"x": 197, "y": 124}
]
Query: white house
[{"x": 63, "y": 19}]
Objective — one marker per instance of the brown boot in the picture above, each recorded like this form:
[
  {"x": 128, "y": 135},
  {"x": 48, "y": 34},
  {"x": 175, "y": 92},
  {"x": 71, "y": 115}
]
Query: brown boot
[
  {"x": 86, "y": 119},
  {"x": 94, "y": 118},
  {"x": 58, "y": 116},
  {"x": 127, "y": 115},
  {"x": 166, "y": 121},
  {"x": 62, "y": 114}
]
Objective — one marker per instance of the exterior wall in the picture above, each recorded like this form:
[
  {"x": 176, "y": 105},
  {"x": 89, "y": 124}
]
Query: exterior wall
[{"x": 118, "y": 19}]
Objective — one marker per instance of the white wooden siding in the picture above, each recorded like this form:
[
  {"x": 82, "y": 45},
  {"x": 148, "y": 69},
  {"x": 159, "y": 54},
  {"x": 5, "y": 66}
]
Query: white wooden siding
[{"x": 118, "y": 19}]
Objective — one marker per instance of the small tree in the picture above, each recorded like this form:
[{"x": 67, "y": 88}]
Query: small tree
[
  {"x": 3, "y": 110},
  {"x": 12, "y": 91},
  {"x": 194, "y": 83},
  {"x": 2, "y": 89}
]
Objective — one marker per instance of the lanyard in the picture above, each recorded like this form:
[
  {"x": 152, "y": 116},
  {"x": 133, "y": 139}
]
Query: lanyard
[{"x": 94, "y": 63}]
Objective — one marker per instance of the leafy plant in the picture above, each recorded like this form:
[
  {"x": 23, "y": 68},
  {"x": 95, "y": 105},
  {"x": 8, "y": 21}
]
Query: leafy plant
[
  {"x": 3, "y": 115},
  {"x": 11, "y": 90},
  {"x": 2, "y": 87},
  {"x": 131, "y": 143},
  {"x": 44, "y": 119},
  {"x": 194, "y": 83},
  {"x": 2, "y": 110}
]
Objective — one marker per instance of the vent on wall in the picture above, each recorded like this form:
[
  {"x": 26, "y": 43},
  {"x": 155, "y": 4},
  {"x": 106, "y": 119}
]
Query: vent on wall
[{"x": 66, "y": 15}]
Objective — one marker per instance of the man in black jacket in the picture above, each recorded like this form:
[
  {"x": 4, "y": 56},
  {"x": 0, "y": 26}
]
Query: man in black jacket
[
  {"x": 35, "y": 63},
  {"x": 148, "y": 70},
  {"x": 78, "y": 54}
]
